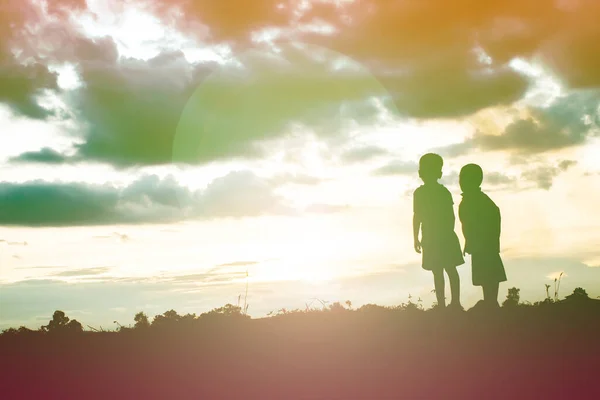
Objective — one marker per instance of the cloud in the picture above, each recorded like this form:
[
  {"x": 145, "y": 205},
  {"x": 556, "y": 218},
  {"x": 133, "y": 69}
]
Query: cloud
[
  {"x": 497, "y": 178},
  {"x": 427, "y": 59},
  {"x": 13, "y": 243},
  {"x": 23, "y": 74},
  {"x": 296, "y": 179},
  {"x": 130, "y": 108},
  {"x": 168, "y": 110},
  {"x": 226, "y": 22},
  {"x": 122, "y": 237},
  {"x": 149, "y": 199},
  {"x": 21, "y": 83},
  {"x": 364, "y": 153},
  {"x": 436, "y": 59},
  {"x": 239, "y": 194},
  {"x": 568, "y": 52},
  {"x": 559, "y": 126},
  {"x": 490, "y": 178},
  {"x": 326, "y": 208},
  {"x": 424, "y": 52},
  {"x": 557, "y": 275},
  {"x": 543, "y": 176},
  {"x": 238, "y": 264},
  {"x": 82, "y": 272},
  {"x": 209, "y": 277},
  {"x": 568, "y": 121},
  {"x": 43, "y": 156},
  {"x": 397, "y": 168}
]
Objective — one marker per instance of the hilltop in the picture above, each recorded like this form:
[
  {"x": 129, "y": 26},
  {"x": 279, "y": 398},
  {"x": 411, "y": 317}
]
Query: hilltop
[{"x": 520, "y": 351}]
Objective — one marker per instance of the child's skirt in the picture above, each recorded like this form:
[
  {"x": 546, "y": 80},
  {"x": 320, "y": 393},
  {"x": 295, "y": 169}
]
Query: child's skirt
[
  {"x": 487, "y": 268},
  {"x": 441, "y": 253}
]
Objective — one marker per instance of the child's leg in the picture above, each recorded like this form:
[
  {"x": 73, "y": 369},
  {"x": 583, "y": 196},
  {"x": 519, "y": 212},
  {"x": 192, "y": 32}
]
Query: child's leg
[
  {"x": 454, "y": 285},
  {"x": 440, "y": 287},
  {"x": 490, "y": 293}
]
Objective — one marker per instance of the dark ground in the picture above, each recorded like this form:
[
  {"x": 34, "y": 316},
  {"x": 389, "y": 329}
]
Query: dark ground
[{"x": 519, "y": 353}]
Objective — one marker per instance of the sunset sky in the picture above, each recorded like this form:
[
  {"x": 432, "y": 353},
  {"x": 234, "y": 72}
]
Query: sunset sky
[{"x": 153, "y": 152}]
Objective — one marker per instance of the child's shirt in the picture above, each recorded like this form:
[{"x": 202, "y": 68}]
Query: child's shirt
[
  {"x": 481, "y": 223},
  {"x": 434, "y": 207}
]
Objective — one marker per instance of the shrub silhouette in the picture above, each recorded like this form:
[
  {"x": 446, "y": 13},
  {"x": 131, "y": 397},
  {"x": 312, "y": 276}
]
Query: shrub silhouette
[
  {"x": 578, "y": 294},
  {"x": 61, "y": 323},
  {"x": 228, "y": 310},
  {"x": 512, "y": 298}
]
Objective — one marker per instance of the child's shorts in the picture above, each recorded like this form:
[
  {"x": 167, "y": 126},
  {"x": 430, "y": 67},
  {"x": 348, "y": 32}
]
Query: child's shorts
[{"x": 487, "y": 268}]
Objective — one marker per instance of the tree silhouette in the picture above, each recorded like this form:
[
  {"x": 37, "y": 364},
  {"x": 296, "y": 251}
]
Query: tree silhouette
[
  {"x": 141, "y": 321},
  {"x": 512, "y": 298},
  {"x": 61, "y": 323},
  {"x": 168, "y": 318}
]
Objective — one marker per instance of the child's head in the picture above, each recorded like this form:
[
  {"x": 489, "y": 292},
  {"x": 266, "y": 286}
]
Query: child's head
[
  {"x": 430, "y": 167},
  {"x": 471, "y": 176}
]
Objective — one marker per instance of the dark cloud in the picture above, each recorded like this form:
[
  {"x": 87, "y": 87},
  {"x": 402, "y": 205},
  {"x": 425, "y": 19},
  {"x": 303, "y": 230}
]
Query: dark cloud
[
  {"x": 266, "y": 99},
  {"x": 131, "y": 108},
  {"x": 430, "y": 59},
  {"x": 543, "y": 130},
  {"x": 543, "y": 176},
  {"x": 43, "y": 156},
  {"x": 21, "y": 83},
  {"x": 23, "y": 74},
  {"x": 398, "y": 168},
  {"x": 566, "y": 164},
  {"x": 567, "y": 122},
  {"x": 168, "y": 110},
  {"x": 41, "y": 203},
  {"x": 360, "y": 154},
  {"x": 82, "y": 272},
  {"x": 150, "y": 199},
  {"x": 440, "y": 90},
  {"x": 569, "y": 52},
  {"x": 424, "y": 51},
  {"x": 432, "y": 44}
]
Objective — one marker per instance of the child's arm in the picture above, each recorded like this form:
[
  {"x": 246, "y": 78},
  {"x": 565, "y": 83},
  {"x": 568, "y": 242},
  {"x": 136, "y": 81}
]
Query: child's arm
[
  {"x": 416, "y": 223},
  {"x": 416, "y": 227},
  {"x": 464, "y": 224}
]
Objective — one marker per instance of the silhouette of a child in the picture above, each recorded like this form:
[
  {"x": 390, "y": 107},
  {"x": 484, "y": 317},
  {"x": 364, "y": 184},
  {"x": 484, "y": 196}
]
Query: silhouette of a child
[
  {"x": 480, "y": 218},
  {"x": 434, "y": 216}
]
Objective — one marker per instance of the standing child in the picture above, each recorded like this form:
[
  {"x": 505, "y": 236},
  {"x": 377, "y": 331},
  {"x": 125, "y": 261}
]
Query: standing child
[
  {"x": 434, "y": 215},
  {"x": 480, "y": 218}
]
